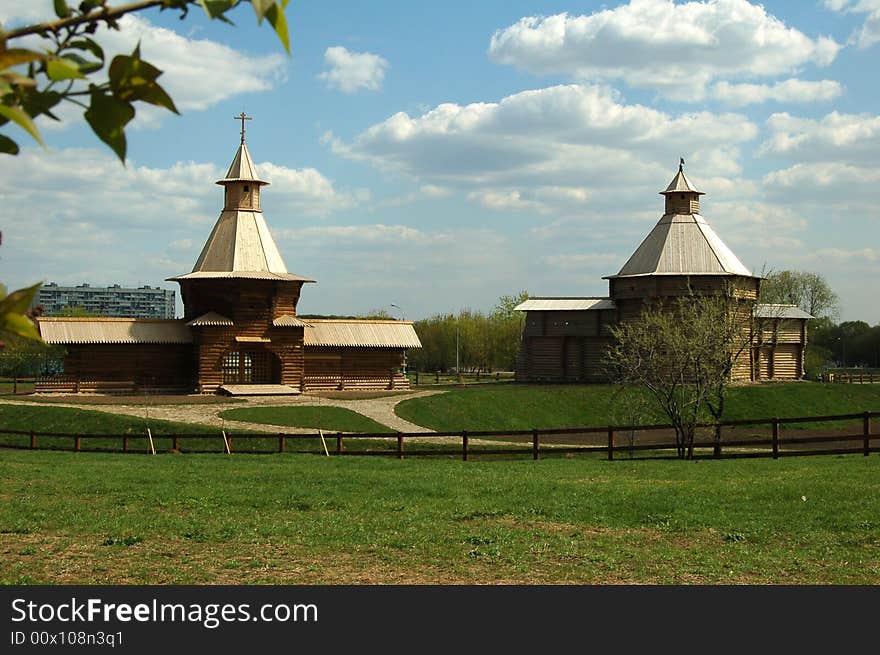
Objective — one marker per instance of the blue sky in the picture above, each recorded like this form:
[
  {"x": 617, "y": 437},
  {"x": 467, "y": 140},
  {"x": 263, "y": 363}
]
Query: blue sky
[{"x": 436, "y": 156}]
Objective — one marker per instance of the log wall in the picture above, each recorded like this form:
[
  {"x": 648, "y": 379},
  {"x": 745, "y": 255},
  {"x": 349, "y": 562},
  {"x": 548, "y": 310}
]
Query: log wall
[
  {"x": 143, "y": 365},
  {"x": 340, "y": 368}
]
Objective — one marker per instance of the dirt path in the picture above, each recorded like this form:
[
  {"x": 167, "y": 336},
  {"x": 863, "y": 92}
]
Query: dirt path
[{"x": 379, "y": 409}]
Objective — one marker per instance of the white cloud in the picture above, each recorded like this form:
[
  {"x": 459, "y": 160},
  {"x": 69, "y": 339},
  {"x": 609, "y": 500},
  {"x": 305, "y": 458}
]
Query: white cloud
[
  {"x": 77, "y": 215},
  {"x": 15, "y": 13},
  {"x": 352, "y": 71},
  {"x": 434, "y": 191},
  {"x": 305, "y": 191},
  {"x": 869, "y": 33},
  {"x": 836, "y": 135},
  {"x": 677, "y": 48},
  {"x": 574, "y": 137},
  {"x": 849, "y": 190},
  {"x": 506, "y": 201},
  {"x": 376, "y": 234},
  {"x": 791, "y": 90},
  {"x": 189, "y": 69},
  {"x": 190, "y": 65}
]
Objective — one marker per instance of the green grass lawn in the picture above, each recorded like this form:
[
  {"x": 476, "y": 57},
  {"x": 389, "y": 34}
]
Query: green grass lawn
[
  {"x": 69, "y": 518},
  {"x": 333, "y": 419},
  {"x": 522, "y": 407},
  {"x": 70, "y": 421}
]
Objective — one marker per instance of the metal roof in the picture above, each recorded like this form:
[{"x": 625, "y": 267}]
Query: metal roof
[
  {"x": 113, "y": 330},
  {"x": 371, "y": 334},
  {"x": 242, "y": 168},
  {"x": 781, "y": 311},
  {"x": 286, "y": 320},
  {"x": 682, "y": 244},
  {"x": 680, "y": 184},
  {"x": 564, "y": 304},
  {"x": 212, "y": 319}
]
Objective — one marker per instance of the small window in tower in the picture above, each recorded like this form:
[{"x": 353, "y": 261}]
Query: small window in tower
[
  {"x": 682, "y": 195},
  {"x": 247, "y": 189}
]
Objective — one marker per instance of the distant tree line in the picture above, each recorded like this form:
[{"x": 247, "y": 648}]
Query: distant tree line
[{"x": 470, "y": 341}]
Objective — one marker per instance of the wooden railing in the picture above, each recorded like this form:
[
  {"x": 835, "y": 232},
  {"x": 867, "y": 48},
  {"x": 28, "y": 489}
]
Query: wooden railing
[
  {"x": 853, "y": 378},
  {"x": 738, "y": 439}
]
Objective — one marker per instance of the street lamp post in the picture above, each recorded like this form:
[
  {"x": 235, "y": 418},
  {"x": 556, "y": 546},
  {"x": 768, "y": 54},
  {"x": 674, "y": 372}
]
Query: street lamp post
[{"x": 403, "y": 318}]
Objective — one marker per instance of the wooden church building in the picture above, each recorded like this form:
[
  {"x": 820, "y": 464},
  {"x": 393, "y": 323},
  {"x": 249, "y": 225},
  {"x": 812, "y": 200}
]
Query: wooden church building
[
  {"x": 565, "y": 339},
  {"x": 240, "y": 326}
]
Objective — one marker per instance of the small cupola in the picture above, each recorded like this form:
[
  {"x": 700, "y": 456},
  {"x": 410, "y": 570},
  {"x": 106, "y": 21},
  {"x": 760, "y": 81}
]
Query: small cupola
[
  {"x": 681, "y": 196},
  {"x": 242, "y": 184}
]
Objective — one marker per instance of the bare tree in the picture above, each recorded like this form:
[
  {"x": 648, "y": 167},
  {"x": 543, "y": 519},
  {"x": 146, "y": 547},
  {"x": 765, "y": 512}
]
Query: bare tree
[{"x": 685, "y": 353}]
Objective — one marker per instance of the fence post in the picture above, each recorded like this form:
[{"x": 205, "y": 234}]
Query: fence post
[
  {"x": 436, "y": 377},
  {"x": 464, "y": 446},
  {"x": 280, "y": 442},
  {"x": 535, "y": 444},
  {"x": 775, "y": 438},
  {"x": 399, "y": 446},
  {"x": 33, "y": 439},
  {"x": 175, "y": 442},
  {"x": 417, "y": 378},
  {"x": 867, "y": 433},
  {"x": 125, "y": 443},
  {"x": 610, "y": 443},
  {"x": 76, "y": 443},
  {"x": 717, "y": 451},
  {"x": 338, "y": 443}
]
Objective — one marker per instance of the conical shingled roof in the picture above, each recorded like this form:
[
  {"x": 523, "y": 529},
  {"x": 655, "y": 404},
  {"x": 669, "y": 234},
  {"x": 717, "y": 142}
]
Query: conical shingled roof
[
  {"x": 680, "y": 184},
  {"x": 682, "y": 244},
  {"x": 242, "y": 168},
  {"x": 240, "y": 245}
]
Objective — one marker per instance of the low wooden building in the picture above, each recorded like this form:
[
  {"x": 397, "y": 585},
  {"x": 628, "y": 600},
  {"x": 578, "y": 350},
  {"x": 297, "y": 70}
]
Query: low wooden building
[
  {"x": 565, "y": 339},
  {"x": 240, "y": 327}
]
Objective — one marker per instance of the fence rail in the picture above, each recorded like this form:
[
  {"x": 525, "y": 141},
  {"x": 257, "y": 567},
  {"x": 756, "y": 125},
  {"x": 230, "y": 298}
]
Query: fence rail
[
  {"x": 854, "y": 378},
  {"x": 735, "y": 439}
]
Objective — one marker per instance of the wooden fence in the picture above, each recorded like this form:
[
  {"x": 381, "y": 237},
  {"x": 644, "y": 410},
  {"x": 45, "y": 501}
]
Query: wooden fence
[
  {"x": 738, "y": 439},
  {"x": 854, "y": 378}
]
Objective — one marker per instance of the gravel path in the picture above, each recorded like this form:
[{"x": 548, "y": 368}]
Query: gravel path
[{"x": 379, "y": 409}]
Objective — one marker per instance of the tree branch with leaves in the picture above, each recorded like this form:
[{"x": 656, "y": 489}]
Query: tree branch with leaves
[{"x": 35, "y": 80}]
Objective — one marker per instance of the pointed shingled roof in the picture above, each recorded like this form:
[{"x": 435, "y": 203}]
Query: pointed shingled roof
[
  {"x": 682, "y": 244},
  {"x": 240, "y": 245},
  {"x": 242, "y": 168},
  {"x": 680, "y": 184}
]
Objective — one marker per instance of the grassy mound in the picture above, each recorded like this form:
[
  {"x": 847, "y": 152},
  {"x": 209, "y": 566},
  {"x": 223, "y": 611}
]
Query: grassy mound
[
  {"x": 332, "y": 419},
  {"x": 522, "y": 407}
]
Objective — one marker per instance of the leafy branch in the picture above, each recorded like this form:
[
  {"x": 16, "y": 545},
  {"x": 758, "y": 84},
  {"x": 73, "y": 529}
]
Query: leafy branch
[{"x": 33, "y": 82}]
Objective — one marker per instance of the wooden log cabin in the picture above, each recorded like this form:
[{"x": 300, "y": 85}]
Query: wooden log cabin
[
  {"x": 565, "y": 339},
  {"x": 240, "y": 332}
]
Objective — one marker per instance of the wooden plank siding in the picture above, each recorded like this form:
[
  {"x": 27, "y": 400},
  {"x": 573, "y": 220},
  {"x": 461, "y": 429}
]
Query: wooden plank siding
[
  {"x": 560, "y": 345},
  {"x": 339, "y": 368},
  {"x": 138, "y": 365}
]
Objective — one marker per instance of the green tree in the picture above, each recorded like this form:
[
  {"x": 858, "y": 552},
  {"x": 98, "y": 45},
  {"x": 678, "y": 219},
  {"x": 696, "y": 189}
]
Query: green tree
[
  {"x": 809, "y": 291},
  {"x": 684, "y": 353},
  {"x": 75, "y": 311},
  {"x": 65, "y": 68}
]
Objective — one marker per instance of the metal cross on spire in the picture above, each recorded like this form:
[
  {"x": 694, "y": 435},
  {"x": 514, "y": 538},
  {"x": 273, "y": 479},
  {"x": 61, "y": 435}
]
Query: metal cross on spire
[
  {"x": 243, "y": 117},
  {"x": 680, "y": 159}
]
